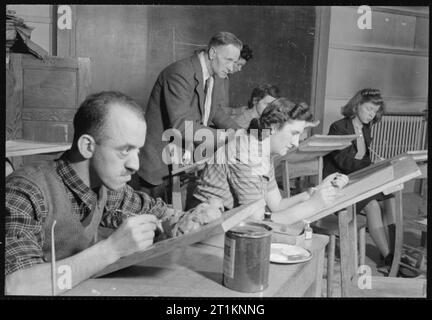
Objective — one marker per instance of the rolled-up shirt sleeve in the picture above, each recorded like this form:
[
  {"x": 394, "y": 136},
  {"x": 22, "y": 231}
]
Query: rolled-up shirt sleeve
[{"x": 23, "y": 223}]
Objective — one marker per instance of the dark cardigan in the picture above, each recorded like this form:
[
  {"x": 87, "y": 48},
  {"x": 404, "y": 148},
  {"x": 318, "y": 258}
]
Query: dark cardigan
[{"x": 344, "y": 161}]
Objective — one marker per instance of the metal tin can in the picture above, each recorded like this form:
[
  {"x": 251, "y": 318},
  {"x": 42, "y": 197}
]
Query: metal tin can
[{"x": 247, "y": 257}]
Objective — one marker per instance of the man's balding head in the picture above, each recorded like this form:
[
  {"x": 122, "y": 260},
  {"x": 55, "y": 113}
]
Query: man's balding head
[{"x": 93, "y": 112}]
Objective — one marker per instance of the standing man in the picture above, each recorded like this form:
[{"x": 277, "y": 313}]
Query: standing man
[{"x": 187, "y": 90}]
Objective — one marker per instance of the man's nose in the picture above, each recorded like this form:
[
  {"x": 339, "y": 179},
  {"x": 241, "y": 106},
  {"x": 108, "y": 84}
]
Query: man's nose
[{"x": 132, "y": 162}]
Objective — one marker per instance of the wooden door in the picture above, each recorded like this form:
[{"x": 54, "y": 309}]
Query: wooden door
[{"x": 52, "y": 90}]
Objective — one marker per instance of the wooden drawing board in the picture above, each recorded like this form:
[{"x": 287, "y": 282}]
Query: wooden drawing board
[
  {"x": 381, "y": 164},
  {"x": 418, "y": 155},
  {"x": 224, "y": 223},
  {"x": 326, "y": 142},
  {"x": 316, "y": 146},
  {"x": 383, "y": 177}
]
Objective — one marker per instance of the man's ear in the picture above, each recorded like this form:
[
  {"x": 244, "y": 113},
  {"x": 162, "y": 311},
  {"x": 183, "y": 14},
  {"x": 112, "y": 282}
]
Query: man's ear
[
  {"x": 211, "y": 53},
  {"x": 86, "y": 146}
]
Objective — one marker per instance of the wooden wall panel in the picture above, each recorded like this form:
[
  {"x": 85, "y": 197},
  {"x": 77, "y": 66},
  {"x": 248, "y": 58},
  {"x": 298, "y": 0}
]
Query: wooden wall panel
[
  {"x": 50, "y": 88},
  {"x": 14, "y": 103},
  {"x": 422, "y": 34},
  {"x": 115, "y": 37},
  {"x": 396, "y": 75},
  {"x": 50, "y": 92},
  {"x": 388, "y": 30},
  {"x": 49, "y": 114},
  {"x": 48, "y": 131}
]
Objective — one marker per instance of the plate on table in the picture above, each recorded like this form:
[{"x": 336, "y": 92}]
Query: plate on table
[{"x": 286, "y": 253}]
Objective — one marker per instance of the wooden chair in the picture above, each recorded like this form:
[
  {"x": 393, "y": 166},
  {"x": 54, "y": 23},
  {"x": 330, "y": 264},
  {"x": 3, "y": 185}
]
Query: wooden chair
[
  {"x": 183, "y": 181},
  {"x": 330, "y": 226},
  {"x": 419, "y": 265}
]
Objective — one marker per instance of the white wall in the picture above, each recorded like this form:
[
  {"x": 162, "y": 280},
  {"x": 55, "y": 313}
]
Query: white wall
[
  {"x": 392, "y": 56},
  {"x": 39, "y": 17}
]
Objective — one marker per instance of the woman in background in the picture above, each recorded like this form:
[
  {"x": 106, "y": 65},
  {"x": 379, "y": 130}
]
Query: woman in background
[
  {"x": 360, "y": 113},
  {"x": 261, "y": 96}
]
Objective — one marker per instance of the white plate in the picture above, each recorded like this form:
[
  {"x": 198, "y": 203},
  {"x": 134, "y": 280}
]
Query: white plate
[{"x": 286, "y": 253}]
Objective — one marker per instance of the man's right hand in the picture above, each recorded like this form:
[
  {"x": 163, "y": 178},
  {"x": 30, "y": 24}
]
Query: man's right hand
[{"x": 136, "y": 233}]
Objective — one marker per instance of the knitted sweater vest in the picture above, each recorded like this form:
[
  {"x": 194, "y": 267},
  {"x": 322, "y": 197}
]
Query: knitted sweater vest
[{"x": 71, "y": 235}]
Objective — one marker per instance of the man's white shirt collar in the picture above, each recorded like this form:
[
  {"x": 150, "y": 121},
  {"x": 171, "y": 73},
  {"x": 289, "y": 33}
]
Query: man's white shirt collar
[{"x": 206, "y": 73}]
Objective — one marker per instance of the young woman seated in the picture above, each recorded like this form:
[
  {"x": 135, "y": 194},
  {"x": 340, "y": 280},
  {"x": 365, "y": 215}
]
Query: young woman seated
[{"x": 248, "y": 173}]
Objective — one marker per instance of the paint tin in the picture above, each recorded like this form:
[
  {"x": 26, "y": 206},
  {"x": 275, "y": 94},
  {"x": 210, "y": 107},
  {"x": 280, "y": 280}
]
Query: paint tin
[{"x": 247, "y": 257}]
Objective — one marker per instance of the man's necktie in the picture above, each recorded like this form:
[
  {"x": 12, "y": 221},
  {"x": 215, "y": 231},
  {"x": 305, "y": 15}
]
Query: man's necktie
[
  {"x": 207, "y": 102},
  {"x": 206, "y": 86}
]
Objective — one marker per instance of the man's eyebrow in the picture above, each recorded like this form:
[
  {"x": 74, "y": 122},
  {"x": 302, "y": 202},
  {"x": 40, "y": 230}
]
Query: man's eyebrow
[{"x": 127, "y": 146}]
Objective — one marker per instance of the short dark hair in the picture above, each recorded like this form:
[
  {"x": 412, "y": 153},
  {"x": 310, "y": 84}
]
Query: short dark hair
[
  {"x": 261, "y": 91},
  {"x": 246, "y": 52},
  {"x": 223, "y": 38},
  {"x": 92, "y": 113},
  {"x": 363, "y": 96},
  {"x": 278, "y": 112}
]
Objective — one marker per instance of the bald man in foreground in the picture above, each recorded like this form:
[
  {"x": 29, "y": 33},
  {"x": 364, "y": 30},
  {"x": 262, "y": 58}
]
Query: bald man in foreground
[{"x": 99, "y": 218}]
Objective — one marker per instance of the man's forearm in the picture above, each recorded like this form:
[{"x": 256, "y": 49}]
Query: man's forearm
[{"x": 36, "y": 280}]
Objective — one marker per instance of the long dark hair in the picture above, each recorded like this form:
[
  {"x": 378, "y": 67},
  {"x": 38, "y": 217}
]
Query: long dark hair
[
  {"x": 277, "y": 113},
  {"x": 363, "y": 96}
]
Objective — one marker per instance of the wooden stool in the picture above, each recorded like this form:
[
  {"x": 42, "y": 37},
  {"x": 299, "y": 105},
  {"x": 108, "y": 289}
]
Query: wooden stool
[
  {"x": 420, "y": 261},
  {"x": 330, "y": 226}
]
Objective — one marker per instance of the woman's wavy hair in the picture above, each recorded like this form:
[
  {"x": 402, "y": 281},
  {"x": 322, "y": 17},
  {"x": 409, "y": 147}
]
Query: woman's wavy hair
[
  {"x": 278, "y": 113},
  {"x": 363, "y": 96},
  {"x": 261, "y": 91}
]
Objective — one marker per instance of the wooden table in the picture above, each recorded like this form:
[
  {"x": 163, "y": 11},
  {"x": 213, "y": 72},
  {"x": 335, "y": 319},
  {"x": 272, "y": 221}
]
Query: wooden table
[
  {"x": 21, "y": 147},
  {"x": 196, "y": 271}
]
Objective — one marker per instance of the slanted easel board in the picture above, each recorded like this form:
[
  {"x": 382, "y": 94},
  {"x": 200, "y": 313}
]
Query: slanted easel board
[
  {"x": 326, "y": 142},
  {"x": 230, "y": 219},
  {"x": 379, "y": 165},
  {"x": 315, "y": 147},
  {"x": 370, "y": 181}
]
